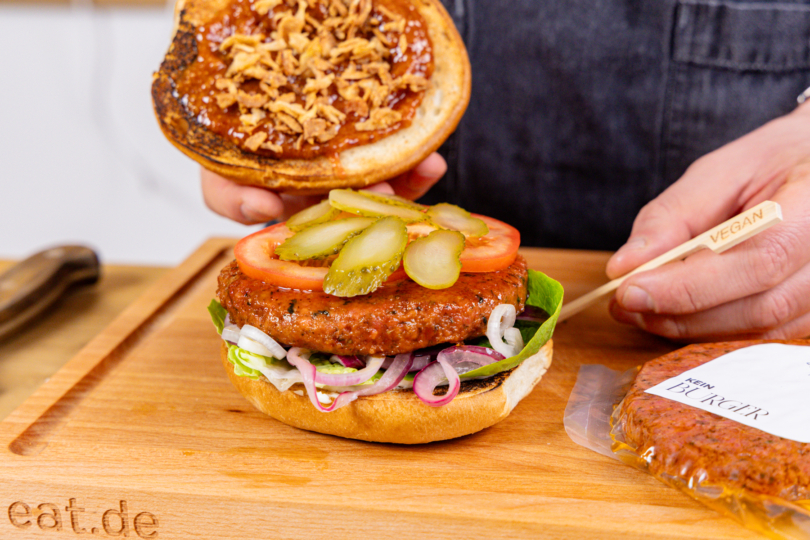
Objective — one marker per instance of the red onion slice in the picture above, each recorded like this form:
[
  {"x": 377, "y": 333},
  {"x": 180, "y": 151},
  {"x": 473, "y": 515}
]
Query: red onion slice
[
  {"x": 392, "y": 377},
  {"x": 349, "y": 361},
  {"x": 419, "y": 362},
  {"x": 472, "y": 353},
  {"x": 449, "y": 364},
  {"x": 307, "y": 374},
  {"x": 354, "y": 378},
  {"x": 534, "y": 314},
  {"x": 429, "y": 378}
]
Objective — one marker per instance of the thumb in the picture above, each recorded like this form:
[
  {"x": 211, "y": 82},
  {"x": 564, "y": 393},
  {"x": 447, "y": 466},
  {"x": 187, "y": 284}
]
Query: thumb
[
  {"x": 664, "y": 223},
  {"x": 707, "y": 193}
]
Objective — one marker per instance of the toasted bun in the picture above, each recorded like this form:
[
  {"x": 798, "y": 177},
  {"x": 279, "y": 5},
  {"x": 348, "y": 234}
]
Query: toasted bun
[
  {"x": 399, "y": 416},
  {"x": 436, "y": 118}
]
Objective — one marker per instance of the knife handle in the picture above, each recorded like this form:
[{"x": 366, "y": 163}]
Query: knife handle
[{"x": 31, "y": 286}]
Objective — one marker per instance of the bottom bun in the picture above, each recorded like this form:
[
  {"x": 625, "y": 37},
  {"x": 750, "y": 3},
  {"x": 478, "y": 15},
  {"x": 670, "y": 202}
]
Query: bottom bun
[{"x": 399, "y": 416}]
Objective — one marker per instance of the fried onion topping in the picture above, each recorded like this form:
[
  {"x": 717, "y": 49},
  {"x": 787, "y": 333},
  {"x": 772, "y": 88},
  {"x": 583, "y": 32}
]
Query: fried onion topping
[{"x": 319, "y": 51}]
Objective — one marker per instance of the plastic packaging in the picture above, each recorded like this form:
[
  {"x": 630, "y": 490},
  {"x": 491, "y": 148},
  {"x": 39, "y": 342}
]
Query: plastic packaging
[{"x": 595, "y": 419}]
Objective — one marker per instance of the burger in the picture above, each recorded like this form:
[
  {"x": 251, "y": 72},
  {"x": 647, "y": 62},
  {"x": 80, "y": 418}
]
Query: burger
[
  {"x": 376, "y": 318},
  {"x": 303, "y": 96},
  {"x": 364, "y": 316}
]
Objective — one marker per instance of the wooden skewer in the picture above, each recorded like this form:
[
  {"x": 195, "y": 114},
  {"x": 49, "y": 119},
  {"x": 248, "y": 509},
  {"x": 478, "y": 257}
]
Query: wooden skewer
[{"x": 724, "y": 236}]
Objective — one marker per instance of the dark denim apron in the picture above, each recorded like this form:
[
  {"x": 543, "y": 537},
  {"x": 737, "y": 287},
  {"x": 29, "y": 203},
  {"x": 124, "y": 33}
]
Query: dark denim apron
[{"x": 584, "y": 110}]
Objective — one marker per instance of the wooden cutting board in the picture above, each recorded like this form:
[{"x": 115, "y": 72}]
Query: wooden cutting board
[{"x": 142, "y": 436}]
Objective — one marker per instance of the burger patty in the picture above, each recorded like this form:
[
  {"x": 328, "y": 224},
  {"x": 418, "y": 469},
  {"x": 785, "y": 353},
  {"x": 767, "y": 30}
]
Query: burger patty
[
  {"x": 398, "y": 317},
  {"x": 685, "y": 442}
]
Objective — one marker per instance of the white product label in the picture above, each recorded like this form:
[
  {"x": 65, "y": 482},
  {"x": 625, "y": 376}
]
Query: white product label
[{"x": 763, "y": 386}]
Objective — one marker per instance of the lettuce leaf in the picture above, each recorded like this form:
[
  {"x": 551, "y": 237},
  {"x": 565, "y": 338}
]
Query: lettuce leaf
[
  {"x": 218, "y": 314},
  {"x": 546, "y": 294},
  {"x": 241, "y": 359}
]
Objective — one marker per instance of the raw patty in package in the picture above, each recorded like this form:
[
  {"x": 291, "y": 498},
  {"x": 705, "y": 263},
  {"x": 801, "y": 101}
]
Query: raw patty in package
[{"x": 760, "y": 479}]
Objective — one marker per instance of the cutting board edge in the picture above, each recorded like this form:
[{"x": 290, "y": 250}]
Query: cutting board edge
[{"x": 43, "y": 412}]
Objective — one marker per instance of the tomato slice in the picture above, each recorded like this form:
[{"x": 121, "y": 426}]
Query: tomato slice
[
  {"x": 494, "y": 251},
  {"x": 255, "y": 256}
]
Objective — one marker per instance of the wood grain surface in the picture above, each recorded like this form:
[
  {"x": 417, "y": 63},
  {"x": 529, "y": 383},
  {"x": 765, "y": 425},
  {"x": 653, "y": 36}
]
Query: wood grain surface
[
  {"x": 141, "y": 435},
  {"x": 38, "y": 350}
]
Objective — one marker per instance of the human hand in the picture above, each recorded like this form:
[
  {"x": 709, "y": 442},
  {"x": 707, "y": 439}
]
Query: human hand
[
  {"x": 758, "y": 289},
  {"x": 250, "y": 204}
]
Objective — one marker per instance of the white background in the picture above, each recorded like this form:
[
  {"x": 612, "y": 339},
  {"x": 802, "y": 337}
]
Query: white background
[{"x": 83, "y": 160}]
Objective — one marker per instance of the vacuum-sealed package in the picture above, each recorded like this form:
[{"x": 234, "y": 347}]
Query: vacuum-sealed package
[{"x": 727, "y": 423}]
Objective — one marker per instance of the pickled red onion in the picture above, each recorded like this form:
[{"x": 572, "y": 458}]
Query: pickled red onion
[
  {"x": 430, "y": 377},
  {"x": 532, "y": 313},
  {"x": 349, "y": 361},
  {"x": 472, "y": 353},
  {"x": 447, "y": 367},
  {"x": 351, "y": 379},
  {"x": 419, "y": 362},
  {"x": 389, "y": 380}
]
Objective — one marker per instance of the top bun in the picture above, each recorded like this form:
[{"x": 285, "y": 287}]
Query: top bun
[{"x": 439, "y": 111}]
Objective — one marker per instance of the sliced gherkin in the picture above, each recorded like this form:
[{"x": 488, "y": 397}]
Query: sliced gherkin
[
  {"x": 455, "y": 218},
  {"x": 394, "y": 199},
  {"x": 368, "y": 204},
  {"x": 433, "y": 261},
  {"x": 367, "y": 260},
  {"x": 320, "y": 241},
  {"x": 313, "y": 215}
]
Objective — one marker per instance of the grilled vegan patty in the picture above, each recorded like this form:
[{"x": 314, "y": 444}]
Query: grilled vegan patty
[{"x": 398, "y": 317}]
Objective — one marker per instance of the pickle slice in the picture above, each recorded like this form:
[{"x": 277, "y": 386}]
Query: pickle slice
[
  {"x": 313, "y": 215},
  {"x": 320, "y": 241},
  {"x": 367, "y": 260},
  {"x": 368, "y": 204},
  {"x": 390, "y": 198},
  {"x": 433, "y": 261},
  {"x": 455, "y": 218}
]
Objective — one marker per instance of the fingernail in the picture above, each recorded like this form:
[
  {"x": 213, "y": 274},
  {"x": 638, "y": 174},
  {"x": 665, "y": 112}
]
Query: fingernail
[
  {"x": 254, "y": 214},
  {"x": 637, "y": 299}
]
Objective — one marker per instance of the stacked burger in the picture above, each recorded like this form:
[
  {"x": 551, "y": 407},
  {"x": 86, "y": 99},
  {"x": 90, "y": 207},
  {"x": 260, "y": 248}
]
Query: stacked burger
[{"x": 366, "y": 316}]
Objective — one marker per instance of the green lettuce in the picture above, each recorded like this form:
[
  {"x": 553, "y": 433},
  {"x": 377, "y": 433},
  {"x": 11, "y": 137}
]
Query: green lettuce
[
  {"x": 218, "y": 314},
  {"x": 546, "y": 294},
  {"x": 241, "y": 360}
]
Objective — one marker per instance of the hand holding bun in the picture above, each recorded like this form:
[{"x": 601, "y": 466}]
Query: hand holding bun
[{"x": 250, "y": 204}]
